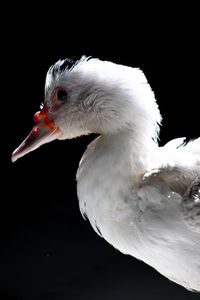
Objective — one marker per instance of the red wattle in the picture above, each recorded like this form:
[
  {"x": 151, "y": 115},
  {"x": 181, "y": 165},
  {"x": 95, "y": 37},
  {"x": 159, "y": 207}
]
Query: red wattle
[{"x": 36, "y": 117}]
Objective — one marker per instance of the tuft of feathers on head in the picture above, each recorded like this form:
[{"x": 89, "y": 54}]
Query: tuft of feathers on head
[{"x": 62, "y": 66}]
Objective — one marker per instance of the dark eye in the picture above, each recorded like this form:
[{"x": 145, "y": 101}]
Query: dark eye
[{"x": 61, "y": 95}]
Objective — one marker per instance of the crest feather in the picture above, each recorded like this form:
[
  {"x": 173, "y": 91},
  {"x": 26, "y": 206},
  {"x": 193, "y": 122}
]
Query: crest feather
[{"x": 62, "y": 66}]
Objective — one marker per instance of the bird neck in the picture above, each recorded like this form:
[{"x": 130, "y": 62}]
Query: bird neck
[
  {"x": 133, "y": 153},
  {"x": 122, "y": 157},
  {"x": 109, "y": 169}
]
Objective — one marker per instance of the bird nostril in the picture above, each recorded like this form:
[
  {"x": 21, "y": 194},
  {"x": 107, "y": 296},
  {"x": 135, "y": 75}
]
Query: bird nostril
[{"x": 35, "y": 129}]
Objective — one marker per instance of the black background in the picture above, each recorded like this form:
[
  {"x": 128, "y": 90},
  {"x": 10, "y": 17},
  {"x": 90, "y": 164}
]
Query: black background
[{"x": 47, "y": 250}]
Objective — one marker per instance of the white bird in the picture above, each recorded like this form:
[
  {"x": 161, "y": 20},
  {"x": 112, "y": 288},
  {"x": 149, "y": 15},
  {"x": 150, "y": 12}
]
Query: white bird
[{"x": 142, "y": 198}]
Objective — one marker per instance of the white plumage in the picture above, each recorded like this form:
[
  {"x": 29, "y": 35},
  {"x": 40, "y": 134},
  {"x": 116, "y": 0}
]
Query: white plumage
[{"x": 142, "y": 198}]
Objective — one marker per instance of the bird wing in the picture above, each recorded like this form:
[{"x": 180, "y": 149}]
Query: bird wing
[
  {"x": 191, "y": 205},
  {"x": 176, "y": 183}
]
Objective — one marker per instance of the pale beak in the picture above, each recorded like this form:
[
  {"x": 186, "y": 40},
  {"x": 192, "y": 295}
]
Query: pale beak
[{"x": 43, "y": 132}]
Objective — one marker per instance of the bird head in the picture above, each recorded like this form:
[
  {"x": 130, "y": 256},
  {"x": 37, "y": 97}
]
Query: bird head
[{"x": 91, "y": 96}]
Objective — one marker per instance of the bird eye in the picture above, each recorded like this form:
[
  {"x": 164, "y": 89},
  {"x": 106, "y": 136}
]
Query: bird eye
[{"x": 61, "y": 95}]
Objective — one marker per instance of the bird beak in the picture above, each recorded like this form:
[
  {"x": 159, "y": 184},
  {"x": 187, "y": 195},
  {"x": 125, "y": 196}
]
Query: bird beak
[{"x": 43, "y": 132}]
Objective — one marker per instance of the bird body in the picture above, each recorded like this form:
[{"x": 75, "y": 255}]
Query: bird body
[
  {"x": 142, "y": 198},
  {"x": 140, "y": 214}
]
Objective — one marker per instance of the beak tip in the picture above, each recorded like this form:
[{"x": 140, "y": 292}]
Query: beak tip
[{"x": 14, "y": 157}]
